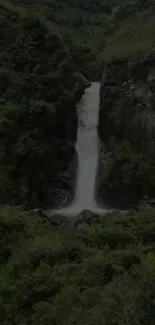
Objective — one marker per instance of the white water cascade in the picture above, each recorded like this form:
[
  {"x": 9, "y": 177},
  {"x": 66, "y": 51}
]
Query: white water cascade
[{"x": 87, "y": 147}]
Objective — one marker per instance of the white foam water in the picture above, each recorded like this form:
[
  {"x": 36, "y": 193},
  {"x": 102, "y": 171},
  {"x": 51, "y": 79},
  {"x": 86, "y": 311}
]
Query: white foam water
[{"x": 87, "y": 148}]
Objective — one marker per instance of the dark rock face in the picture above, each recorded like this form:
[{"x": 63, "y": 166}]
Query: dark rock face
[
  {"x": 127, "y": 128},
  {"x": 87, "y": 217},
  {"x": 60, "y": 191},
  {"x": 105, "y": 162},
  {"x": 127, "y": 90}
]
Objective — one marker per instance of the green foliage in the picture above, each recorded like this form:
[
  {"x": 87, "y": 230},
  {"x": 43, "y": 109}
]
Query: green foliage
[
  {"x": 76, "y": 18},
  {"x": 129, "y": 32},
  {"x": 100, "y": 274},
  {"x": 39, "y": 89}
]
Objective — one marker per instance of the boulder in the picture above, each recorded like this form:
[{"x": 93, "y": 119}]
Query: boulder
[
  {"x": 38, "y": 211},
  {"x": 87, "y": 217},
  {"x": 151, "y": 203}
]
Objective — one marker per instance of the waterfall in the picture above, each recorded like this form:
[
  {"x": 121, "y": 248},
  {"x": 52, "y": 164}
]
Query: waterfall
[{"x": 87, "y": 148}]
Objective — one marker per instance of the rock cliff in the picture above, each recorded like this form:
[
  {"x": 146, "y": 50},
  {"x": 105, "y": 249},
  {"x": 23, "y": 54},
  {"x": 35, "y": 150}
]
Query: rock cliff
[{"x": 127, "y": 127}]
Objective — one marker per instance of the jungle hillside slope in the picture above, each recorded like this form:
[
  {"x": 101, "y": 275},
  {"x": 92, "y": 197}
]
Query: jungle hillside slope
[
  {"x": 53, "y": 272},
  {"x": 39, "y": 87}
]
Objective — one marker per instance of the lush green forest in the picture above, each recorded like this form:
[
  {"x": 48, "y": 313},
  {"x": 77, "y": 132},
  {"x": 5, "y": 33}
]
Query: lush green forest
[
  {"x": 128, "y": 31},
  {"x": 56, "y": 271},
  {"x": 53, "y": 272},
  {"x": 77, "y": 19}
]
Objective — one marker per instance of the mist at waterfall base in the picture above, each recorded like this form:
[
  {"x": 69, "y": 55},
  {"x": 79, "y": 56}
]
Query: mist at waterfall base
[{"x": 87, "y": 148}]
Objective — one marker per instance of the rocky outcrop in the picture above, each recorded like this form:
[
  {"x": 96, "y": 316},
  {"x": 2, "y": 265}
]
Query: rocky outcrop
[
  {"x": 127, "y": 128},
  {"x": 60, "y": 191},
  {"x": 86, "y": 217},
  {"x": 104, "y": 166},
  {"x": 128, "y": 94},
  {"x": 83, "y": 219}
]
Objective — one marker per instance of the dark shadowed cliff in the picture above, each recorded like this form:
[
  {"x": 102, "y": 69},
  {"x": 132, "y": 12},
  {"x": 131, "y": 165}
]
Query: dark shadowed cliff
[{"x": 127, "y": 102}]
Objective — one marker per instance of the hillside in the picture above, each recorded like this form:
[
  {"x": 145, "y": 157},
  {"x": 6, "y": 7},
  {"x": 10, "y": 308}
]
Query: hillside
[
  {"x": 129, "y": 32},
  {"x": 54, "y": 272},
  {"x": 40, "y": 85},
  {"x": 77, "y": 19},
  {"x": 89, "y": 270}
]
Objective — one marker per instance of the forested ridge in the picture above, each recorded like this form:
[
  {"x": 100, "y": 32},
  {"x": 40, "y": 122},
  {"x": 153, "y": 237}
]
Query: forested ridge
[
  {"x": 40, "y": 84},
  {"x": 79, "y": 271}
]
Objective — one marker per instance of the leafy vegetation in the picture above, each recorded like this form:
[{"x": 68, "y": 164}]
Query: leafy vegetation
[
  {"x": 40, "y": 85},
  {"x": 78, "y": 19},
  {"x": 102, "y": 273},
  {"x": 128, "y": 33}
]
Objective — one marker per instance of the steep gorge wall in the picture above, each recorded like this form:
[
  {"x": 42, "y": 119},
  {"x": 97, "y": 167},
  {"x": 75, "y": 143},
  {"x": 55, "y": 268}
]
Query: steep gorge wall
[
  {"x": 127, "y": 127},
  {"x": 39, "y": 88}
]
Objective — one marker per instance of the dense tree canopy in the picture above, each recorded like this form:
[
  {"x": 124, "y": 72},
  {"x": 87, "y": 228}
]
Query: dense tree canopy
[
  {"x": 40, "y": 84},
  {"x": 54, "y": 273}
]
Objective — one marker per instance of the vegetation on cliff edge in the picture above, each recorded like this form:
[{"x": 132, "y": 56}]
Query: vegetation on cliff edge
[
  {"x": 41, "y": 81},
  {"x": 129, "y": 32}
]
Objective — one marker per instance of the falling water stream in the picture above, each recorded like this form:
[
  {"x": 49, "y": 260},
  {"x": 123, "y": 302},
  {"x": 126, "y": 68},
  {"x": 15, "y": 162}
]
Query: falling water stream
[{"x": 87, "y": 148}]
